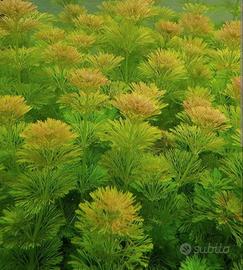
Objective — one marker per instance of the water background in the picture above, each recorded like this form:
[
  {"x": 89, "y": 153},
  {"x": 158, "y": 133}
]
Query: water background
[{"x": 218, "y": 13}]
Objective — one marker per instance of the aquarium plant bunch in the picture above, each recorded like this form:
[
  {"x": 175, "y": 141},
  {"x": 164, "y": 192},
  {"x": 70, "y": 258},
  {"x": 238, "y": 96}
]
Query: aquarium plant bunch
[{"x": 120, "y": 140}]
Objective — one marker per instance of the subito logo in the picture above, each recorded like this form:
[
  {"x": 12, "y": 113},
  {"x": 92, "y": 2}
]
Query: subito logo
[{"x": 185, "y": 249}]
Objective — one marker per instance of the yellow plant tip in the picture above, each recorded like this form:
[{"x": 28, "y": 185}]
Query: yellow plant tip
[
  {"x": 230, "y": 34},
  {"x": 164, "y": 65},
  {"x": 127, "y": 134},
  {"x": 234, "y": 88},
  {"x": 196, "y": 101},
  {"x": 83, "y": 102},
  {"x": 136, "y": 106},
  {"x": 71, "y": 12},
  {"x": 229, "y": 204},
  {"x": 197, "y": 96},
  {"x": 112, "y": 211},
  {"x": 16, "y": 9},
  {"x": 87, "y": 79},
  {"x": 198, "y": 106},
  {"x": 200, "y": 72},
  {"x": 207, "y": 117},
  {"x": 192, "y": 48},
  {"x": 135, "y": 10},
  {"x": 81, "y": 40},
  {"x": 164, "y": 60},
  {"x": 25, "y": 58},
  {"x": 18, "y": 17},
  {"x": 48, "y": 134},
  {"x": 51, "y": 35},
  {"x": 226, "y": 59},
  {"x": 168, "y": 29},
  {"x": 148, "y": 90},
  {"x": 105, "y": 61},
  {"x": 62, "y": 55},
  {"x": 90, "y": 22},
  {"x": 196, "y": 24},
  {"x": 12, "y": 108}
]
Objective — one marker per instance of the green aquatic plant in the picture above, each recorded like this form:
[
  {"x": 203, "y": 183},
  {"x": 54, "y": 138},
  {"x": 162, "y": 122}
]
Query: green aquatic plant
[
  {"x": 196, "y": 263},
  {"x": 163, "y": 67},
  {"x": 142, "y": 103},
  {"x": 120, "y": 139},
  {"x": 110, "y": 233},
  {"x": 47, "y": 144}
]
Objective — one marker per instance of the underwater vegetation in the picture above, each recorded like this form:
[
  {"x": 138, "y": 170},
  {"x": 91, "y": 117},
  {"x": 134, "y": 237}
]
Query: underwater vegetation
[{"x": 120, "y": 140}]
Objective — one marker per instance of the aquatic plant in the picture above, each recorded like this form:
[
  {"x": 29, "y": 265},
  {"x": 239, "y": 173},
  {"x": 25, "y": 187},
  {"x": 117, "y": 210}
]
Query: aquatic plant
[{"x": 120, "y": 139}]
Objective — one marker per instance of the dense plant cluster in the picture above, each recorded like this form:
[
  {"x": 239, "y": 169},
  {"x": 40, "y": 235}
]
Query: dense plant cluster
[{"x": 119, "y": 138}]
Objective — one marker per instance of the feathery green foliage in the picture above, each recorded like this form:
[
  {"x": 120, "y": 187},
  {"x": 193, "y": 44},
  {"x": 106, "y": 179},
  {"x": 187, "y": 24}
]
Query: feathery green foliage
[{"x": 120, "y": 140}]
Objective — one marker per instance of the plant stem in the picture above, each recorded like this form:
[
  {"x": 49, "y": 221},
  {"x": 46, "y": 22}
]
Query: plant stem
[
  {"x": 187, "y": 170},
  {"x": 126, "y": 68},
  {"x": 17, "y": 57}
]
